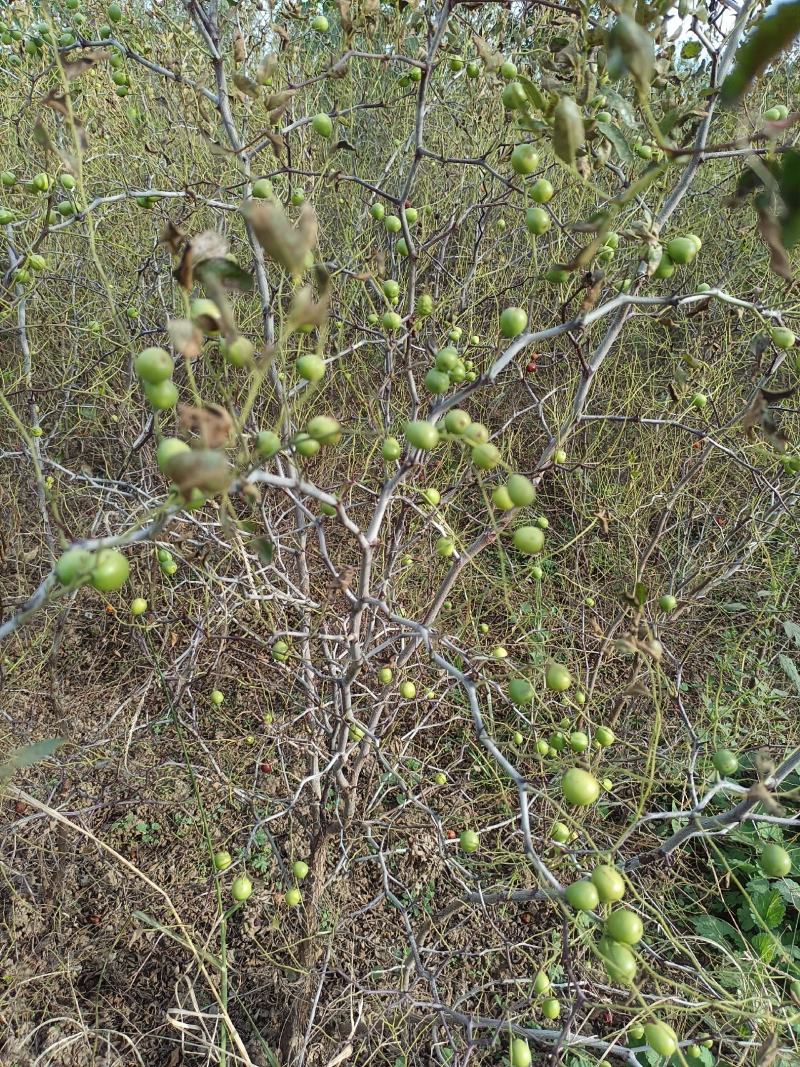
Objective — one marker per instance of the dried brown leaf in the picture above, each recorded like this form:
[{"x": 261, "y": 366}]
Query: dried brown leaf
[
  {"x": 73, "y": 68},
  {"x": 239, "y": 51},
  {"x": 202, "y": 469},
  {"x": 211, "y": 423},
  {"x": 770, "y": 231},
  {"x": 172, "y": 237},
  {"x": 185, "y": 337},
  {"x": 246, "y": 85},
  {"x": 286, "y": 244}
]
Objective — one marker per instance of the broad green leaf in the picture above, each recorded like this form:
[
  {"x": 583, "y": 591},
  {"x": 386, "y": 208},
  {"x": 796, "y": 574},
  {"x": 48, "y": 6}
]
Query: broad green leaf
[
  {"x": 28, "y": 755},
  {"x": 718, "y": 931},
  {"x": 618, "y": 141},
  {"x": 534, "y": 94},
  {"x": 774, "y": 32},
  {"x": 621, "y": 106},
  {"x": 769, "y": 907},
  {"x": 764, "y": 945},
  {"x": 792, "y": 631},
  {"x": 790, "y": 671},
  {"x": 690, "y": 49}
]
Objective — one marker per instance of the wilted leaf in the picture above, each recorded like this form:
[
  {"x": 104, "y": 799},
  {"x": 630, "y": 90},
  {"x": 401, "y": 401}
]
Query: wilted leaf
[
  {"x": 308, "y": 311},
  {"x": 73, "y": 68},
  {"x": 267, "y": 68},
  {"x": 185, "y": 337},
  {"x": 246, "y": 85},
  {"x": 568, "y": 131},
  {"x": 211, "y": 423},
  {"x": 28, "y": 755},
  {"x": 228, "y": 273},
  {"x": 691, "y": 49},
  {"x": 204, "y": 246},
  {"x": 775, "y": 31},
  {"x": 534, "y": 94},
  {"x": 286, "y": 244},
  {"x": 201, "y": 469},
  {"x": 491, "y": 60},
  {"x": 239, "y": 51},
  {"x": 792, "y": 631},
  {"x": 631, "y": 50},
  {"x": 265, "y": 549},
  {"x": 172, "y": 237},
  {"x": 771, "y": 232}
]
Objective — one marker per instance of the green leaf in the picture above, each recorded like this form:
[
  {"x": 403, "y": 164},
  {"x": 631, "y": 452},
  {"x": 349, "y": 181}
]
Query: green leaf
[
  {"x": 690, "y": 49},
  {"x": 769, "y": 907},
  {"x": 774, "y": 32},
  {"x": 640, "y": 593},
  {"x": 534, "y": 94},
  {"x": 28, "y": 755},
  {"x": 718, "y": 930},
  {"x": 792, "y": 631},
  {"x": 790, "y": 671},
  {"x": 621, "y": 106},
  {"x": 764, "y": 945},
  {"x": 789, "y": 189},
  {"x": 790, "y": 891},
  {"x": 612, "y": 134}
]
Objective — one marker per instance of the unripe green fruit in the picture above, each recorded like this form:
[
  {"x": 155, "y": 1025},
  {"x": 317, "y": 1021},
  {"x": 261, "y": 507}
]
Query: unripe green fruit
[
  {"x": 541, "y": 983},
  {"x": 486, "y": 456},
  {"x": 537, "y": 221},
  {"x": 300, "y": 870},
  {"x": 501, "y": 499},
  {"x": 604, "y": 736},
  {"x": 625, "y": 926},
  {"x": 578, "y": 741},
  {"x": 610, "y": 883},
  {"x": 239, "y": 352},
  {"x": 154, "y": 365},
  {"x": 385, "y": 675},
  {"x": 528, "y": 540},
  {"x": 168, "y": 448},
  {"x": 445, "y": 547},
  {"x": 559, "y": 832},
  {"x": 775, "y": 861},
  {"x": 580, "y": 787},
  {"x": 325, "y": 429},
  {"x": 699, "y": 401},
  {"x": 305, "y": 445},
  {"x": 377, "y": 211},
  {"x": 322, "y": 124},
  {"x": 557, "y": 678},
  {"x": 520, "y": 691},
  {"x": 268, "y": 444},
  {"x": 262, "y": 189},
  {"x": 222, "y": 860},
  {"x": 508, "y": 70},
  {"x": 393, "y": 224},
  {"x": 311, "y": 367},
  {"x": 447, "y": 359},
  {"x": 457, "y": 421},
  {"x": 217, "y": 697},
  {"x": 75, "y": 565},
  {"x": 557, "y": 276},
  {"x": 320, "y": 24},
  {"x": 782, "y": 337},
  {"x": 542, "y": 191},
  {"x": 391, "y": 321},
  {"x": 524, "y": 159},
  {"x": 513, "y": 321},
  {"x": 162, "y": 395},
  {"x": 391, "y": 449},
  {"x": 582, "y": 896},
  {"x": 437, "y": 381},
  {"x": 725, "y": 761},
  {"x": 667, "y": 603},
  {"x": 293, "y": 897},
  {"x": 241, "y": 888},
  {"x": 618, "y": 960},
  {"x": 772, "y": 114},
  {"x": 681, "y": 250},
  {"x": 138, "y": 606},
  {"x": 111, "y": 570},
  {"x": 551, "y": 1008},
  {"x": 408, "y": 690},
  {"x": 520, "y": 490},
  {"x": 661, "y": 1038},
  {"x": 421, "y": 434},
  {"x": 424, "y": 305},
  {"x": 469, "y": 841}
]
